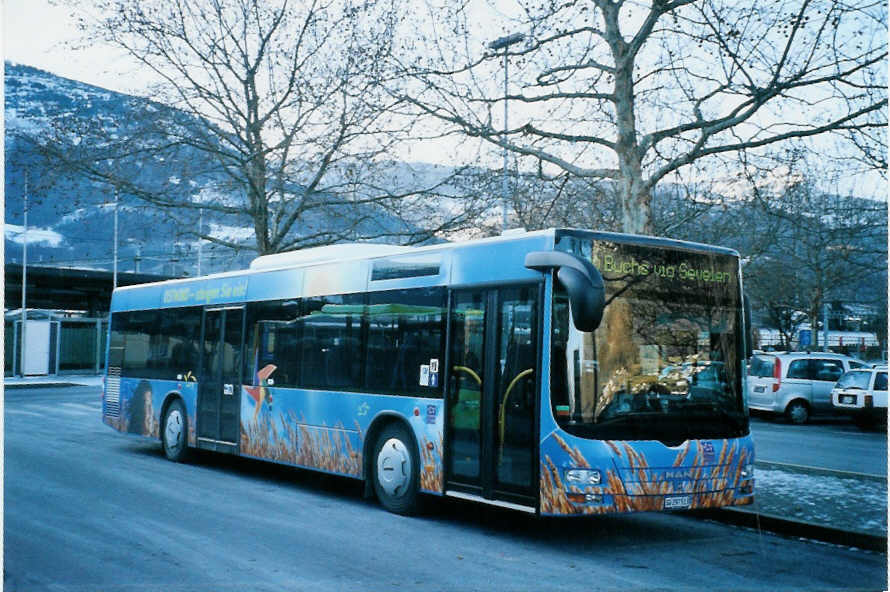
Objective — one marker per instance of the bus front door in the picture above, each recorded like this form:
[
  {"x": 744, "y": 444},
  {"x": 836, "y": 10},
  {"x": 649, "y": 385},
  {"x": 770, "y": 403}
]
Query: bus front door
[
  {"x": 491, "y": 444},
  {"x": 219, "y": 387}
]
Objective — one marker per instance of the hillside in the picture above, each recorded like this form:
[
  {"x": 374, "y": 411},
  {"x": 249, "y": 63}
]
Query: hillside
[{"x": 71, "y": 217}]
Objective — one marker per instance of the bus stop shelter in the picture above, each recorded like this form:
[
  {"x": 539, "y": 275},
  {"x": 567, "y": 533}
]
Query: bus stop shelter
[{"x": 67, "y": 318}]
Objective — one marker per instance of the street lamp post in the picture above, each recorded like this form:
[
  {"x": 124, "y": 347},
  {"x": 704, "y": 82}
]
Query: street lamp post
[{"x": 504, "y": 43}]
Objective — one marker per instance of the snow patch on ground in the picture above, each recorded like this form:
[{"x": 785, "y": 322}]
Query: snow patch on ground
[{"x": 841, "y": 502}]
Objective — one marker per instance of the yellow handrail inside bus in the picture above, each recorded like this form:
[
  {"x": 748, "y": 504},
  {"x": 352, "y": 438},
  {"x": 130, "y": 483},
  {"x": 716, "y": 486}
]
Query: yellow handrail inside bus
[
  {"x": 471, "y": 372},
  {"x": 503, "y": 410}
]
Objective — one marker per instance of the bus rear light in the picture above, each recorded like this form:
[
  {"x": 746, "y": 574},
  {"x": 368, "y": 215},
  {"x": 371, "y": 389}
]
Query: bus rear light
[{"x": 777, "y": 374}]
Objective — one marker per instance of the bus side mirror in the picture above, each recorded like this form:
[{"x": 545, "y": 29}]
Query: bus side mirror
[
  {"x": 582, "y": 281},
  {"x": 749, "y": 330}
]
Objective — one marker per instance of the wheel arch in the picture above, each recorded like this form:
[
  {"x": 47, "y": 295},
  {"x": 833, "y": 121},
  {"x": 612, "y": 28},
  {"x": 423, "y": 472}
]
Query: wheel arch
[
  {"x": 804, "y": 402},
  {"x": 168, "y": 400},
  {"x": 380, "y": 421},
  {"x": 796, "y": 399}
]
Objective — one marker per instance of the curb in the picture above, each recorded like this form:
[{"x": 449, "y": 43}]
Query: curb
[
  {"x": 768, "y": 464},
  {"x": 795, "y": 528},
  {"x": 38, "y": 385}
]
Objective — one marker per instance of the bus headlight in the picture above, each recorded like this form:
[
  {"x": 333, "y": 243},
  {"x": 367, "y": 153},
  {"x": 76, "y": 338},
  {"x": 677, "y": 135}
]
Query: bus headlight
[
  {"x": 583, "y": 477},
  {"x": 747, "y": 471}
]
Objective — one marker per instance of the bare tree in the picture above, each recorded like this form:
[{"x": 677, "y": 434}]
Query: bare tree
[
  {"x": 268, "y": 115},
  {"x": 824, "y": 247},
  {"x": 636, "y": 92}
]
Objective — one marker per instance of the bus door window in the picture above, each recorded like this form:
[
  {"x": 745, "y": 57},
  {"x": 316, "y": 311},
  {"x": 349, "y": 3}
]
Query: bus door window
[
  {"x": 516, "y": 385},
  {"x": 212, "y": 331},
  {"x": 231, "y": 358},
  {"x": 465, "y": 397}
]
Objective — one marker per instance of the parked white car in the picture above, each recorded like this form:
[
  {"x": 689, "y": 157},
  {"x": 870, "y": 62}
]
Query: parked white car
[
  {"x": 862, "y": 393},
  {"x": 796, "y": 384}
]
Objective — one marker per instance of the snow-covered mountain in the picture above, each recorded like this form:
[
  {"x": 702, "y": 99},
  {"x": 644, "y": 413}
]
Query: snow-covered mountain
[{"x": 71, "y": 218}]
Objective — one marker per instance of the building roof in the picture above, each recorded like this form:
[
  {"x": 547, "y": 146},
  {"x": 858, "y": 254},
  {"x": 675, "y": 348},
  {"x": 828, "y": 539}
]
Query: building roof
[{"x": 59, "y": 288}]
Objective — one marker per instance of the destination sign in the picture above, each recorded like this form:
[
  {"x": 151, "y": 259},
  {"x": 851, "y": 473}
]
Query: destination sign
[
  {"x": 653, "y": 266},
  {"x": 611, "y": 263},
  {"x": 206, "y": 292}
]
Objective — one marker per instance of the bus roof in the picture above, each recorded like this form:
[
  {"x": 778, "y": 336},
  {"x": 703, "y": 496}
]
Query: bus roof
[{"x": 359, "y": 267}]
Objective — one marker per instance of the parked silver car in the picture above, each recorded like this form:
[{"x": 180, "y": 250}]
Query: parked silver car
[{"x": 796, "y": 383}]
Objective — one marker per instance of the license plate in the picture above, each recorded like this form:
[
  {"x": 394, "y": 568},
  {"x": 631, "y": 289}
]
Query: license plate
[
  {"x": 759, "y": 389},
  {"x": 677, "y": 502},
  {"x": 848, "y": 399}
]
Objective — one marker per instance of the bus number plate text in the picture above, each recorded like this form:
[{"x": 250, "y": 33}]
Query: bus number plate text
[{"x": 677, "y": 502}]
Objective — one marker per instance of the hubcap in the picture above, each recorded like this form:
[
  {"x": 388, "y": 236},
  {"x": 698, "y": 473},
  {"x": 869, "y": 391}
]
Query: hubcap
[
  {"x": 173, "y": 429},
  {"x": 798, "y": 413},
  {"x": 394, "y": 467}
]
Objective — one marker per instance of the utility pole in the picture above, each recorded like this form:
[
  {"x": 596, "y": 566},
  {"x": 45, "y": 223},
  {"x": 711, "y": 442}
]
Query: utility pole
[
  {"x": 24, "y": 278},
  {"x": 504, "y": 43},
  {"x": 200, "y": 239},
  {"x": 825, "y": 325},
  {"x": 116, "y": 204}
]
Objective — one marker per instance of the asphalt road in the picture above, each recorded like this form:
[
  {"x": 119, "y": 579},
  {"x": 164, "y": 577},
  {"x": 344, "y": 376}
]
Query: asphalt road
[
  {"x": 830, "y": 443},
  {"x": 88, "y": 509}
]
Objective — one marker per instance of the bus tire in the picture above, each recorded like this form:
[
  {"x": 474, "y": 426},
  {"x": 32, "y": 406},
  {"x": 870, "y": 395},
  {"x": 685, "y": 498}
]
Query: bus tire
[
  {"x": 395, "y": 470},
  {"x": 797, "y": 412},
  {"x": 174, "y": 432}
]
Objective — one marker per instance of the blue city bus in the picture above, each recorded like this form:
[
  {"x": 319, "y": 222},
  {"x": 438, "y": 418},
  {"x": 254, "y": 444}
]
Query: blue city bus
[{"x": 559, "y": 372}]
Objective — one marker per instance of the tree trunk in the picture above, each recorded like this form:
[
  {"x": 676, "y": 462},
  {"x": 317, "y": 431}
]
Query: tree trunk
[{"x": 636, "y": 198}]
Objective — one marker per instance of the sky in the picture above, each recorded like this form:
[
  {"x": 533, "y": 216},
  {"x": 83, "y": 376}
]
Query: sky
[{"x": 35, "y": 33}]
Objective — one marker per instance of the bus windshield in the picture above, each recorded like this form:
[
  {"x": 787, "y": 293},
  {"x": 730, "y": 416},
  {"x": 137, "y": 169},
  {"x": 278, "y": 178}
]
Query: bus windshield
[{"x": 665, "y": 363}]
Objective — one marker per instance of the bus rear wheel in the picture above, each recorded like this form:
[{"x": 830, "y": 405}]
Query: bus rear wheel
[
  {"x": 174, "y": 432},
  {"x": 396, "y": 470}
]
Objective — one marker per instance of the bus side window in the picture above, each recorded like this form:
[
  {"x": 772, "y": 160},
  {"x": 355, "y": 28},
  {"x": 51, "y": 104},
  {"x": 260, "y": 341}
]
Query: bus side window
[
  {"x": 181, "y": 329},
  {"x": 406, "y": 330},
  {"x": 330, "y": 331},
  {"x": 272, "y": 339}
]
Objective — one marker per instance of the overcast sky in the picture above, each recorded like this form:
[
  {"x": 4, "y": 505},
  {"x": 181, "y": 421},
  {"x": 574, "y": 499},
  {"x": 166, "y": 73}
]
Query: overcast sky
[{"x": 35, "y": 33}]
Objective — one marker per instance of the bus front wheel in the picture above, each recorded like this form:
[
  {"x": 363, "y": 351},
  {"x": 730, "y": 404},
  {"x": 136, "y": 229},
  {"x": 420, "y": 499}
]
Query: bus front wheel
[
  {"x": 174, "y": 432},
  {"x": 396, "y": 470}
]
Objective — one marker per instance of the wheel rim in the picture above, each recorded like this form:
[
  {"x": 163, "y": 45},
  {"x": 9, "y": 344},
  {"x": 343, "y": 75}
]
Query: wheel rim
[
  {"x": 394, "y": 467},
  {"x": 798, "y": 413},
  {"x": 173, "y": 430}
]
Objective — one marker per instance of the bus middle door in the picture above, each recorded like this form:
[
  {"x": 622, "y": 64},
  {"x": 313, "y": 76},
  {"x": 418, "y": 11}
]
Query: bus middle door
[{"x": 219, "y": 387}]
